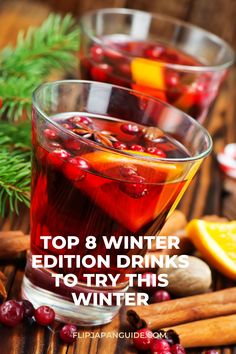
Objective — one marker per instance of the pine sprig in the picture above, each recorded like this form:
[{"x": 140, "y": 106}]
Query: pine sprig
[
  {"x": 37, "y": 53},
  {"x": 14, "y": 181}
]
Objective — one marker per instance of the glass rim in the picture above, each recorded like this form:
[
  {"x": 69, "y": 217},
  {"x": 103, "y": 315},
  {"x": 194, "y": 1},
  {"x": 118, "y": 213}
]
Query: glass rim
[
  {"x": 111, "y": 149},
  {"x": 212, "y": 36}
]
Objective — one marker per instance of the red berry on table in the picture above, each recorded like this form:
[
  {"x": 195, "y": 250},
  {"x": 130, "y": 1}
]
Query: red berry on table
[
  {"x": 155, "y": 151},
  {"x": 50, "y": 134},
  {"x": 100, "y": 72},
  {"x": 172, "y": 337},
  {"x": 27, "y": 307},
  {"x": 136, "y": 147},
  {"x": 68, "y": 333},
  {"x": 57, "y": 157},
  {"x": 11, "y": 313},
  {"x": 135, "y": 187},
  {"x": 130, "y": 128},
  {"x": 74, "y": 168},
  {"x": 119, "y": 145},
  {"x": 44, "y": 315},
  {"x": 177, "y": 349},
  {"x": 143, "y": 339},
  {"x": 159, "y": 346},
  {"x": 160, "y": 296}
]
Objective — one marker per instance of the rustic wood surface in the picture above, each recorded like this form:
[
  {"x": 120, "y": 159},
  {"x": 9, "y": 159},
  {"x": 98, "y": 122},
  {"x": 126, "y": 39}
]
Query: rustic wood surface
[{"x": 210, "y": 192}]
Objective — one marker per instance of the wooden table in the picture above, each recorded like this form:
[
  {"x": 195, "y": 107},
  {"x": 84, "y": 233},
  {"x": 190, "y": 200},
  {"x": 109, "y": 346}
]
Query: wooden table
[{"x": 209, "y": 193}]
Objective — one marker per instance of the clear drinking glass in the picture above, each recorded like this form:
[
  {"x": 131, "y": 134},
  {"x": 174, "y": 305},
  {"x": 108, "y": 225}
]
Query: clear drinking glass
[
  {"x": 164, "y": 57},
  {"x": 106, "y": 161}
]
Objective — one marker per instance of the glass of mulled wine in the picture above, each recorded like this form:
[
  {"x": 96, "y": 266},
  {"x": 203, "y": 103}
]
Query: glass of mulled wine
[
  {"x": 169, "y": 59},
  {"x": 106, "y": 161}
]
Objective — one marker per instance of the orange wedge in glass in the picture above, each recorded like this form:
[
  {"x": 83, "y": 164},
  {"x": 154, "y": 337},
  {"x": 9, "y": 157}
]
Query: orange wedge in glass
[{"x": 217, "y": 243}]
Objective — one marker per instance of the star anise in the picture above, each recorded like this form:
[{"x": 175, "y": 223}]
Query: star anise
[{"x": 104, "y": 137}]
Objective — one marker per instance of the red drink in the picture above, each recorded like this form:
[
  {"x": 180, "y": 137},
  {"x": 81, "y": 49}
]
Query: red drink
[
  {"x": 107, "y": 162},
  {"x": 143, "y": 66},
  {"x": 78, "y": 195}
]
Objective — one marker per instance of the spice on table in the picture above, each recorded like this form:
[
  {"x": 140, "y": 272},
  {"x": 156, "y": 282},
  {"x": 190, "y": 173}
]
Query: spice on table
[
  {"x": 13, "y": 242},
  {"x": 195, "y": 279},
  {"x": 3, "y": 292},
  {"x": 184, "y": 310}
]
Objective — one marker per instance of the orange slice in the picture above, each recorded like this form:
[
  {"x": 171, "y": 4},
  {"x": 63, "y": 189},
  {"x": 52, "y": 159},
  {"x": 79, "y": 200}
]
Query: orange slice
[
  {"x": 217, "y": 243},
  {"x": 102, "y": 161},
  {"x": 146, "y": 72}
]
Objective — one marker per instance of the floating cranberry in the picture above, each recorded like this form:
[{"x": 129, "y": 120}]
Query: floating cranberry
[
  {"x": 28, "y": 308},
  {"x": 160, "y": 296},
  {"x": 125, "y": 68},
  {"x": 172, "y": 79},
  {"x": 113, "y": 54},
  {"x": 57, "y": 157},
  {"x": 127, "y": 171},
  {"x": 136, "y": 147},
  {"x": 135, "y": 188},
  {"x": 44, "y": 315},
  {"x": 159, "y": 346},
  {"x": 154, "y": 52},
  {"x": 96, "y": 53},
  {"x": 150, "y": 282},
  {"x": 72, "y": 144},
  {"x": 119, "y": 145},
  {"x": 11, "y": 313},
  {"x": 155, "y": 151},
  {"x": 68, "y": 333},
  {"x": 130, "y": 128},
  {"x": 177, "y": 349},
  {"x": 66, "y": 126},
  {"x": 50, "y": 134},
  {"x": 100, "y": 72},
  {"x": 54, "y": 145},
  {"x": 143, "y": 339},
  {"x": 78, "y": 119},
  {"x": 74, "y": 168}
]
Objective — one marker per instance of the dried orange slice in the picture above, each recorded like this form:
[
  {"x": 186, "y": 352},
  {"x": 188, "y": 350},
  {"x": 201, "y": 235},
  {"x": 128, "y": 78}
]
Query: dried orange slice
[{"x": 217, "y": 243}]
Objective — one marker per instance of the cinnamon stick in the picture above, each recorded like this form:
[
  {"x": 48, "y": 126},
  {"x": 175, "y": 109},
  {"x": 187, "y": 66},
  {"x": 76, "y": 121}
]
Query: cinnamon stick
[
  {"x": 210, "y": 332},
  {"x": 192, "y": 308},
  {"x": 3, "y": 292},
  {"x": 13, "y": 243}
]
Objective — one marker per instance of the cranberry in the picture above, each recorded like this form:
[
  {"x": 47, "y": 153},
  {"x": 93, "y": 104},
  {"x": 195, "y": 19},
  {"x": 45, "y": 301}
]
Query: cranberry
[
  {"x": 44, "y": 315},
  {"x": 96, "y": 53},
  {"x": 119, "y": 145},
  {"x": 160, "y": 296},
  {"x": 66, "y": 126},
  {"x": 73, "y": 170},
  {"x": 113, "y": 54},
  {"x": 177, "y": 349},
  {"x": 211, "y": 351},
  {"x": 57, "y": 157},
  {"x": 136, "y": 147},
  {"x": 155, "y": 151},
  {"x": 67, "y": 333},
  {"x": 72, "y": 144},
  {"x": 100, "y": 72},
  {"x": 150, "y": 282},
  {"x": 50, "y": 134},
  {"x": 144, "y": 339},
  {"x": 54, "y": 145},
  {"x": 160, "y": 346},
  {"x": 77, "y": 120},
  {"x": 130, "y": 128},
  {"x": 127, "y": 171},
  {"x": 11, "y": 313},
  {"x": 135, "y": 188},
  {"x": 172, "y": 79},
  {"x": 172, "y": 337},
  {"x": 125, "y": 68},
  {"x": 154, "y": 52},
  {"x": 28, "y": 308}
]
